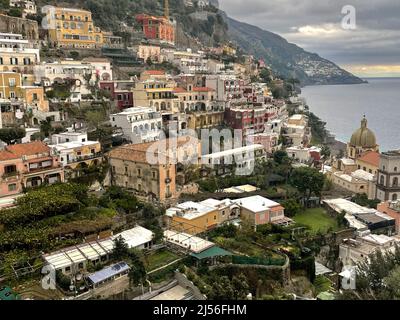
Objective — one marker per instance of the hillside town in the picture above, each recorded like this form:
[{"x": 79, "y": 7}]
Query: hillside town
[{"x": 135, "y": 168}]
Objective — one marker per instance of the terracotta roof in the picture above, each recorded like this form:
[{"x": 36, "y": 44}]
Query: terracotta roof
[
  {"x": 202, "y": 89},
  {"x": 179, "y": 89},
  {"x": 6, "y": 155},
  {"x": 370, "y": 157},
  {"x": 28, "y": 149},
  {"x": 140, "y": 152},
  {"x": 155, "y": 72}
]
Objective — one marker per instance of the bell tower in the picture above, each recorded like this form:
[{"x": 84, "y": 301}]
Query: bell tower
[{"x": 166, "y": 9}]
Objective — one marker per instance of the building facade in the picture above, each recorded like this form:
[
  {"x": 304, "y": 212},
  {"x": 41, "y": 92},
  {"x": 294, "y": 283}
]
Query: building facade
[
  {"x": 73, "y": 28},
  {"x": 139, "y": 124},
  {"x": 157, "y": 28},
  {"x": 17, "y": 54},
  {"x": 388, "y": 187},
  {"x": 28, "y": 165}
]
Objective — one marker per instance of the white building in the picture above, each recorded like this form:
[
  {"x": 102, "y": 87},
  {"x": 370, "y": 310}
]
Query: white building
[
  {"x": 74, "y": 147},
  {"x": 28, "y": 7},
  {"x": 353, "y": 251},
  {"x": 297, "y": 131},
  {"x": 102, "y": 68},
  {"x": 139, "y": 124},
  {"x": 228, "y": 87},
  {"x": 358, "y": 182},
  {"x": 17, "y": 54},
  {"x": 84, "y": 73},
  {"x": 361, "y": 218},
  {"x": 243, "y": 158},
  {"x": 187, "y": 61},
  {"x": 75, "y": 259},
  {"x": 302, "y": 154}
]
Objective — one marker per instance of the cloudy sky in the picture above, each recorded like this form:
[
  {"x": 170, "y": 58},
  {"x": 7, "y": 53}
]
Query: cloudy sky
[{"x": 371, "y": 49}]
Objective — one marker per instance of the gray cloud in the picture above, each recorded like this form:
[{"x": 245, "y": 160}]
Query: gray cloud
[{"x": 316, "y": 26}]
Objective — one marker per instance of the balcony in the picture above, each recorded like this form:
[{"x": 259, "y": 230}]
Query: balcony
[
  {"x": 86, "y": 158},
  {"x": 11, "y": 176}
]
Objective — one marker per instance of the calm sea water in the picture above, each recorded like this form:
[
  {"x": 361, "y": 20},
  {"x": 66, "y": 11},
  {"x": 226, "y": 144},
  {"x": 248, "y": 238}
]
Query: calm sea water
[{"x": 343, "y": 107}]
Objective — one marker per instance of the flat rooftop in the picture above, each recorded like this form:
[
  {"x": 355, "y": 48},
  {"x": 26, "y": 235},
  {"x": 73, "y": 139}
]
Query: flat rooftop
[
  {"x": 187, "y": 241},
  {"x": 256, "y": 203}
]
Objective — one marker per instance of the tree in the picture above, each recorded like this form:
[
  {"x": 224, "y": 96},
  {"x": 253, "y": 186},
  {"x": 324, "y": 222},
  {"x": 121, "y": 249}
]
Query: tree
[
  {"x": 94, "y": 118},
  {"x": 137, "y": 273},
  {"x": 341, "y": 220},
  {"x": 392, "y": 283},
  {"x": 325, "y": 151},
  {"x": 222, "y": 289},
  {"x": 11, "y": 135},
  {"x": 46, "y": 127},
  {"x": 15, "y": 12},
  {"x": 240, "y": 287},
  {"x": 265, "y": 75},
  {"x": 292, "y": 207},
  {"x": 120, "y": 250},
  {"x": 280, "y": 156},
  {"x": 308, "y": 181},
  {"x": 377, "y": 278}
]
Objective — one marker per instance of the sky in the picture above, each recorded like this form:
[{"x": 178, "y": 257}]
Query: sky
[{"x": 370, "y": 48}]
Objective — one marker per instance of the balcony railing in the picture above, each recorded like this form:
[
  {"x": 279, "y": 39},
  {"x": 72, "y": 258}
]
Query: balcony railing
[
  {"x": 85, "y": 158},
  {"x": 10, "y": 175}
]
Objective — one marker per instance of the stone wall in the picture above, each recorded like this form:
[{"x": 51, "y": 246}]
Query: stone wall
[{"x": 28, "y": 28}]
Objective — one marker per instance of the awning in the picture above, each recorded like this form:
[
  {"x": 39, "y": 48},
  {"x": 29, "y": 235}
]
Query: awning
[{"x": 211, "y": 253}]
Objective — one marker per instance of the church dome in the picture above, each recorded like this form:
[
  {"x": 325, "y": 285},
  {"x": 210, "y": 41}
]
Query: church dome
[{"x": 363, "y": 137}]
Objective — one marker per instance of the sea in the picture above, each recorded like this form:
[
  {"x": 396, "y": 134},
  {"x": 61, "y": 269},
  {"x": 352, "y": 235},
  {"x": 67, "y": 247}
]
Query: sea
[{"x": 343, "y": 106}]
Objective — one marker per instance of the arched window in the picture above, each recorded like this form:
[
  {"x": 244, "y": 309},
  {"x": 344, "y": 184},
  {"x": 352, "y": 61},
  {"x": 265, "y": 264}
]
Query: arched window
[
  {"x": 395, "y": 169},
  {"x": 382, "y": 180},
  {"x": 394, "y": 197},
  {"x": 395, "y": 182}
]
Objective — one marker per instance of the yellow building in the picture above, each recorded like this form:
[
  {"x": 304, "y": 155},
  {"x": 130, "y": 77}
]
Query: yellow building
[
  {"x": 10, "y": 85},
  {"x": 73, "y": 28},
  {"x": 34, "y": 98},
  {"x": 199, "y": 217}
]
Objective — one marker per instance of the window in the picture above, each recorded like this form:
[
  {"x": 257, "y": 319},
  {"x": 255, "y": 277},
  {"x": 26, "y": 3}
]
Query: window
[
  {"x": 12, "y": 187},
  {"x": 139, "y": 172},
  {"x": 14, "y": 61},
  {"x": 12, "y": 94},
  {"x": 11, "y": 82},
  {"x": 27, "y": 61},
  {"x": 1, "y": 60},
  {"x": 34, "y": 96}
]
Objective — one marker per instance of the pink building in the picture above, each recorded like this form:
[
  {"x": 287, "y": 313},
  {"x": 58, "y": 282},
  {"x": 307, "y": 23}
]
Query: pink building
[{"x": 28, "y": 165}]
